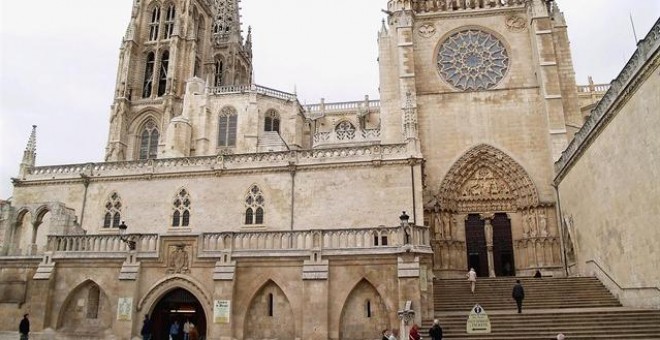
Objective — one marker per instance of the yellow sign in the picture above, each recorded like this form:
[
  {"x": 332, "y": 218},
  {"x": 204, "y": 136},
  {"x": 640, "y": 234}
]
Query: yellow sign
[
  {"x": 478, "y": 321},
  {"x": 221, "y": 311}
]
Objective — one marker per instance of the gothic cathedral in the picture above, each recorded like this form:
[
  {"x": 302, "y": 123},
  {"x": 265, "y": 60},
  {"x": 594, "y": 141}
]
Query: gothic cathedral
[{"x": 236, "y": 207}]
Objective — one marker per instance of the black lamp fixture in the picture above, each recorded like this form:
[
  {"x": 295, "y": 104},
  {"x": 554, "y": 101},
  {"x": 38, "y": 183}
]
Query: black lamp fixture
[
  {"x": 122, "y": 236},
  {"x": 404, "y": 218}
]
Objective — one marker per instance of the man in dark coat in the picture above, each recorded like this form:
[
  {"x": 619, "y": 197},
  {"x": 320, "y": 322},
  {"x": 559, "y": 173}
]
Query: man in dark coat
[
  {"x": 518, "y": 294},
  {"x": 24, "y": 327},
  {"x": 146, "y": 328},
  {"x": 436, "y": 331}
]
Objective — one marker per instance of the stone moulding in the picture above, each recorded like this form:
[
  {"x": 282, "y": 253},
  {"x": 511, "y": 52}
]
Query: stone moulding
[
  {"x": 625, "y": 84},
  {"x": 253, "y": 162}
]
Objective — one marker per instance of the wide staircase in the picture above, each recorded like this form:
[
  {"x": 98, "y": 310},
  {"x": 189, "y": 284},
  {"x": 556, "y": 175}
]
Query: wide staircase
[{"x": 580, "y": 308}]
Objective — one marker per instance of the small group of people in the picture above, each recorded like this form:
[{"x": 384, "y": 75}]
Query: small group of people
[
  {"x": 435, "y": 332},
  {"x": 518, "y": 292},
  {"x": 189, "y": 331}
]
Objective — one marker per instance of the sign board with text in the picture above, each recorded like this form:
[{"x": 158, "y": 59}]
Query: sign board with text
[{"x": 478, "y": 321}]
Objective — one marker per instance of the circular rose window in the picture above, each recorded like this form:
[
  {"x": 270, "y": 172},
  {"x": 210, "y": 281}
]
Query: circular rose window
[{"x": 473, "y": 60}]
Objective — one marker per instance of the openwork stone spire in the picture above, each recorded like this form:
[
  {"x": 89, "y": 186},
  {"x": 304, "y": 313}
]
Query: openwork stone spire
[
  {"x": 30, "y": 153},
  {"x": 227, "y": 21}
]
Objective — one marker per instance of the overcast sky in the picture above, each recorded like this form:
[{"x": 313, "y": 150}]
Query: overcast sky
[{"x": 58, "y": 61}]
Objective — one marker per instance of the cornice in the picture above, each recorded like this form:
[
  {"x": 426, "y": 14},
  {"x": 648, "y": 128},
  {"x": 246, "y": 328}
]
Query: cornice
[
  {"x": 216, "y": 166},
  {"x": 640, "y": 66}
]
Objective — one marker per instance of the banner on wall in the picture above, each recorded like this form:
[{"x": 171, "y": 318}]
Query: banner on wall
[
  {"x": 124, "y": 309},
  {"x": 221, "y": 311}
]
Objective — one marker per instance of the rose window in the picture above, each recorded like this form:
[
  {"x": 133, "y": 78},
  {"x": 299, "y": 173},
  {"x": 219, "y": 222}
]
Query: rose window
[{"x": 473, "y": 60}]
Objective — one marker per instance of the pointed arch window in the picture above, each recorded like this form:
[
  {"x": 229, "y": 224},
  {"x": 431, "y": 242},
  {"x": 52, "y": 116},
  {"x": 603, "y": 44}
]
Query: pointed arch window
[
  {"x": 154, "y": 23},
  {"x": 181, "y": 206},
  {"x": 227, "y": 127},
  {"x": 113, "y": 207},
  {"x": 149, "y": 75},
  {"x": 345, "y": 130},
  {"x": 219, "y": 69},
  {"x": 149, "y": 141},
  {"x": 169, "y": 21},
  {"x": 162, "y": 76},
  {"x": 93, "y": 299},
  {"x": 272, "y": 121},
  {"x": 254, "y": 203}
]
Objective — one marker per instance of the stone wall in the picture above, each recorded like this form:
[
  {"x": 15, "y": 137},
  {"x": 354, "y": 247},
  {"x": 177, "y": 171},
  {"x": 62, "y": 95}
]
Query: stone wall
[{"x": 608, "y": 184}]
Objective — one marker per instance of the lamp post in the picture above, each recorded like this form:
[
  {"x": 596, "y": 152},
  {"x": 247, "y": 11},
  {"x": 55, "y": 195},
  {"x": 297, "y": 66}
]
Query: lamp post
[
  {"x": 406, "y": 227},
  {"x": 404, "y": 219},
  {"x": 122, "y": 236}
]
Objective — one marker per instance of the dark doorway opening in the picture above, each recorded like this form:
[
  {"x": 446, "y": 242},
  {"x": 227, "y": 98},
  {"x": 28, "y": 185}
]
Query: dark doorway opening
[
  {"x": 503, "y": 246},
  {"x": 476, "y": 245},
  {"x": 178, "y": 305}
]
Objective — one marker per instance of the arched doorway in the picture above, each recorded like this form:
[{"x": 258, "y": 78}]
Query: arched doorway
[
  {"x": 178, "y": 305},
  {"x": 483, "y": 188}
]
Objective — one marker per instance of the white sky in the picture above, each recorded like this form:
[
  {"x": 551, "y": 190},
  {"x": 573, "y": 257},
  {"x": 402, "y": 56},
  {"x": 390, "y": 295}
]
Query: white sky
[{"x": 58, "y": 61}]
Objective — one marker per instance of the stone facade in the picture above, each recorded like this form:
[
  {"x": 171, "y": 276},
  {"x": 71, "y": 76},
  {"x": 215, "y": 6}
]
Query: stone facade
[
  {"x": 606, "y": 234},
  {"x": 261, "y": 218}
]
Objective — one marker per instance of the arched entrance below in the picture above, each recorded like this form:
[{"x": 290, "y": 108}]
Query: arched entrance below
[{"x": 179, "y": 305}]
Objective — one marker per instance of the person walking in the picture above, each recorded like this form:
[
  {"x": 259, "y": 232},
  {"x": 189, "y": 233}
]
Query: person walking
[
  {"x": 519, "y": 295},
  {"x": 414, "y": 333},
  {"x": 386, "y": 335},
  {"x": 187, "y": 326},
  {"x": 146, "y": 328},
  {"x": 436, "y": 331},
  {"x": 174, "y": 330},
  {"x": 472, "y": 278},
  {"x": 24, "y": 327}
]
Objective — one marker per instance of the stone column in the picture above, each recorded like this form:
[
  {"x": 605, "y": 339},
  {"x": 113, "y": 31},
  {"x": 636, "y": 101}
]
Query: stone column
[
  {"x": 315, "y": 297},
  {"x": 489, "y": 242}
]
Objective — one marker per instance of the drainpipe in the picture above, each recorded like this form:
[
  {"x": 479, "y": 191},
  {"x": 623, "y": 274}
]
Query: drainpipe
[
  {"x": 561, "y": 228},
  {"x": 412, "y": 162},
  {"x": 84, "y": 203}
]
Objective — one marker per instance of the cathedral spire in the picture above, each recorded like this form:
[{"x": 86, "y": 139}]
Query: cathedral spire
[
  {"x": 30, "y": 153},
  {"x": 226, "y": 24}
]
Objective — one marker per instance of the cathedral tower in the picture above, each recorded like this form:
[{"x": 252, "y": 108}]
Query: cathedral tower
[
  {"x": 488, "y": 89},
  {"x": 167, "y": 43}
]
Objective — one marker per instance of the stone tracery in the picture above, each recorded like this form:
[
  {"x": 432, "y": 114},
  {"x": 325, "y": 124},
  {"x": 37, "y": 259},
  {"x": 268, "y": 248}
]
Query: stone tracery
[
  {"x": 486, "y": 179},
  {"x": 473, "y": 60}
]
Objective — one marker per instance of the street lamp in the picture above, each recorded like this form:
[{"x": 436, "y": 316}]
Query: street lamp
[{"x": 122, "y": 236}]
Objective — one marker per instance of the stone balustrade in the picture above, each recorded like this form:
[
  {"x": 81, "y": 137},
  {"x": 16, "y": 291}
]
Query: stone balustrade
[
  {"x": 82, "y": 245},
  {"x": 593, "y": 88},
  {"x": 328, "y": 242},
  {"x": 380, "y": 240},
  {"x": 205, "y": 164},
  {"x": 332, "y": 138},
  {"x": 256, "y": 89},
  {"x": 343, "y": 107},
  {"x": 421, "y": 6}
]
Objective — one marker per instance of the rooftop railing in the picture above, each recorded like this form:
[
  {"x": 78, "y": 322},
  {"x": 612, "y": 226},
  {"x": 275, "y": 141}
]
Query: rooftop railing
[{"x": 266, "y": 91}]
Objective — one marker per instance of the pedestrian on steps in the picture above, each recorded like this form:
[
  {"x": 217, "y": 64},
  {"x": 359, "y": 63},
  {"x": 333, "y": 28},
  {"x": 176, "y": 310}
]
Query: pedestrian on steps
[
  {"x": 436, "y": 331},
  {"x": 519, "y": 295},
  {"x": 472, "y": 278},
  {"x": 414, "y": 333}
]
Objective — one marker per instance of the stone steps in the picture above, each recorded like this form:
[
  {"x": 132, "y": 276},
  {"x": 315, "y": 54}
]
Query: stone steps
[
  {"x": 544, "y": 293},
  {"x": 581, "y": 308}
]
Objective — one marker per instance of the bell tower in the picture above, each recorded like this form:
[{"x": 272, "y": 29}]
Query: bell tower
[{"x": 167, "y": 43}]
